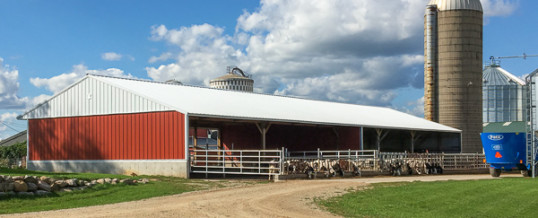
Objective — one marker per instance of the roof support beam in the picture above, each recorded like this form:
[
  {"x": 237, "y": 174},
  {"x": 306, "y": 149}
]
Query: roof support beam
[
  {"x": 263, "y": 127},
  {"x": 335, "y": 131},
  {"x": 414, "y": 138},
  {"x": 381, "y": 134},
  {"x": 362, "y": 139}
]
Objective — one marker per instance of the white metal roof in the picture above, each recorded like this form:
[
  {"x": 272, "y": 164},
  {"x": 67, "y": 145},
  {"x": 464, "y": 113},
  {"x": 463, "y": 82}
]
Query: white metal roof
[
  {"x": 446, "y": 5},
  {"x": 207, "y": 102},
  {"x": 495, "y": 75}
]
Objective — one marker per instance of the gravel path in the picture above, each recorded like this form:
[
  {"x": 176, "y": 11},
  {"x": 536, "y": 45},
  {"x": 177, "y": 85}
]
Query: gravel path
[{"x": 292, "y": 198}]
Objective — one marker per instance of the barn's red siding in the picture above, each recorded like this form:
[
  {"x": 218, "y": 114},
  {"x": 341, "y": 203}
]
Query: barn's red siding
[{"x": 159, "y": 135}]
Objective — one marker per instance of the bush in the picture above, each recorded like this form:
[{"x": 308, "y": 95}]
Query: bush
[{"x": 14, "y": 151}]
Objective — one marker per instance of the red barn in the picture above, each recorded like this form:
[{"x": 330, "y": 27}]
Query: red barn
[{"x": 122, "y": 126}]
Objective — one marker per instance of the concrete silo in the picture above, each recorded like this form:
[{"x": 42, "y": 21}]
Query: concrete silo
[
  {"x": 453, "y": 67},
  {"x": 235, "y": 80}
]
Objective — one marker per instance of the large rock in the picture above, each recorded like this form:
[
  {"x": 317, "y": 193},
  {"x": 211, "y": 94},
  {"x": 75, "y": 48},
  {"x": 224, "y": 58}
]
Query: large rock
[
  {"x": 144, "y": 180},
  {"x": 46, "y": 179},
  {"x": 81, "y": 182},
  {"x": 55, "y": 187},
  {"x": 8, "y": 186},
  {"x": 8, "y": 179},
  {"x": 42, "y": 192},
  {"x": 127, "y": 181},
  {"x": 18, "y": 178},
  {"x": 25, "y": 193},
  {"x": 30, "y": 179},
  {"x": 71, "y": 182},
  {"x": 31, "y": 187},
  {"x": 66, "y": 190},
  {"x": 20, "y": 186},
  {"x": 43, "y": 186},
  {"x": 61, "y": 183},
  {"x": 2, "y": 185},
  {"x": 100, "y": 181},
  {"x": 2, "y": 194},
  {"x": 108, "y": 180}
]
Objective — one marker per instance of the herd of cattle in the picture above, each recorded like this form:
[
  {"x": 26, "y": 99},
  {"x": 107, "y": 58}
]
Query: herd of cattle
[{"x": 339, "y": 167}]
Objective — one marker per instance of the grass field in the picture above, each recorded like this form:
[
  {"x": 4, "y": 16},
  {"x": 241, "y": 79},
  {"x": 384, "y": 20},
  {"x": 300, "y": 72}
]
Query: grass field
[
  {"x": 99, "y": 194},
  {"x": 507, "y": 197}
]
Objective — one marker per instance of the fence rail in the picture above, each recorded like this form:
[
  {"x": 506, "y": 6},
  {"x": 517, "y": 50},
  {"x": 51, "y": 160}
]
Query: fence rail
[
  {"x": 283, "y": 162},
  {"x": 254, "y": 162},
  {"x": 335, "y": 154},
  {"x": 464, "y": 161}
]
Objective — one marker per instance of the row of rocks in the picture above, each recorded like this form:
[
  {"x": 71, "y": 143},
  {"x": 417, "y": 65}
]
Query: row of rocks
[{"x": 33, "y": 185}]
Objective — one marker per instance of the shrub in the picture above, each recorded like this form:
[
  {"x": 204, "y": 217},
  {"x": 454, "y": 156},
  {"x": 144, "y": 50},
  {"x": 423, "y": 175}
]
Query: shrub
[{"x": 14, "y": 151}]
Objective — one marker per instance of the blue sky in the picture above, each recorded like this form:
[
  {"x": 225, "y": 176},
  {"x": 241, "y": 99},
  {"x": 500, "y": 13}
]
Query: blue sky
[{"x": 361, "y": 52}]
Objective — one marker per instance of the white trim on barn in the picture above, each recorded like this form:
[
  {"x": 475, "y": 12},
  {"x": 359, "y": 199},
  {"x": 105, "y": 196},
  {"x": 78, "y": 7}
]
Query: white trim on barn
[{"x": 187, "y": 153}]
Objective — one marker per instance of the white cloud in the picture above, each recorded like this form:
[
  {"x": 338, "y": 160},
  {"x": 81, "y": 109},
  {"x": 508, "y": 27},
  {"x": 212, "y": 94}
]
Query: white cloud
[
  {"x": 349, "y": 51},
  {"x": 111, "y": 56},
  {"x": 9, "y": 86},
  {"x": 371, "y": 82},
  {"x": 38, "y": 100},
  {"x": 499, "y": 7},
  {"x": 205, "y": 53},
  {"x": 162, "y": 57},
  {"x": 7, "y": 118},
  {"x": 414, "y": 107},
  {"x": 58, "y": 83}
]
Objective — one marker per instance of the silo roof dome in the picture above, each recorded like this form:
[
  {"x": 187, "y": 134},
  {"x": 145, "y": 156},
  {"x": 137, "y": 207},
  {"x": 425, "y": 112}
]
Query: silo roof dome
[
  {"x": 446, "y": 5},
  {"x": 495, "y": 75}
]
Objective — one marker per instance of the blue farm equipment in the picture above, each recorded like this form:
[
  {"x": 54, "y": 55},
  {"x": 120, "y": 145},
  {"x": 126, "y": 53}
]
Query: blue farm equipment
[{"x": 506, "y": 152}]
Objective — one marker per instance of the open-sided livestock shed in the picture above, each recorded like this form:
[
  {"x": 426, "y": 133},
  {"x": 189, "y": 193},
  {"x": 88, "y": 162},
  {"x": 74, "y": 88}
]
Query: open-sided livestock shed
[{"x": 116, "y": 125}]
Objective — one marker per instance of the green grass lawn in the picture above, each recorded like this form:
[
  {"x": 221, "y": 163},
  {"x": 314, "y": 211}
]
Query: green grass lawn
[
  {"x": 506, "y": 197},
  {"x": 99, "y": 194}
]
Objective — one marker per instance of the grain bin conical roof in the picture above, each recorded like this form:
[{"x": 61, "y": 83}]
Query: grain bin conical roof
[{"x": 495, "y": 75}]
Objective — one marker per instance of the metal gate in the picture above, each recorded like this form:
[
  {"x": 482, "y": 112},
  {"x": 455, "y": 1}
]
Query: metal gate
[{"x": 247, "y": 162}]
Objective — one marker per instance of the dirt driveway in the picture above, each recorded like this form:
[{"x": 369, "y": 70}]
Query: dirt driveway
[{"x": 293, "y": 198}]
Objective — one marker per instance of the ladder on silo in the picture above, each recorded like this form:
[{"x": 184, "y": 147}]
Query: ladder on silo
[{"x": 532, "y": 131}]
